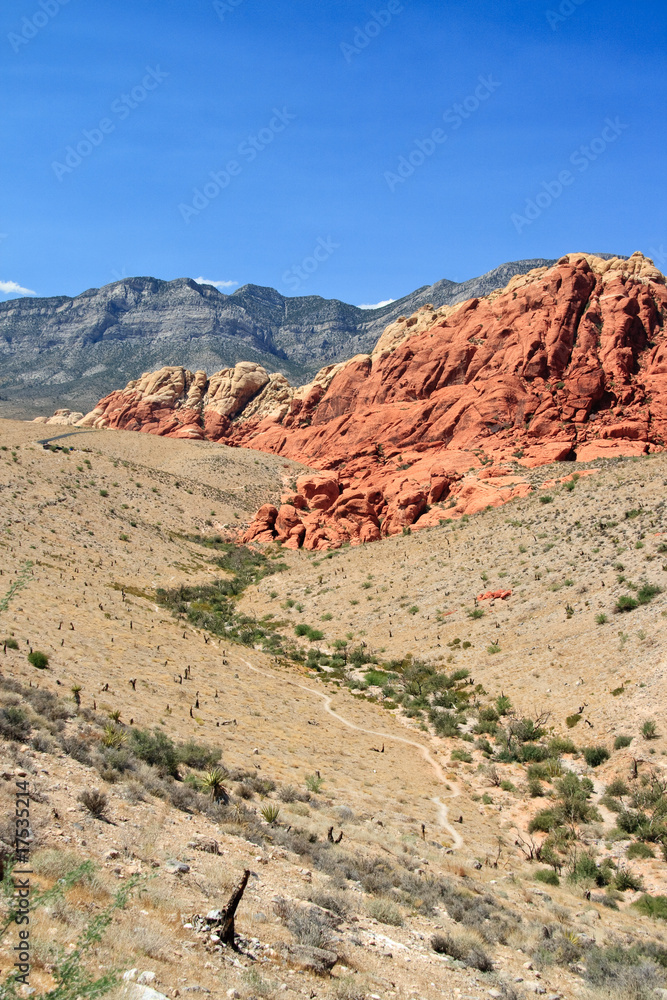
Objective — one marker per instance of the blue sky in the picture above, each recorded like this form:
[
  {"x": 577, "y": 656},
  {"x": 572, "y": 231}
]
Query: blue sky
[{"x": 115, "y": 114}]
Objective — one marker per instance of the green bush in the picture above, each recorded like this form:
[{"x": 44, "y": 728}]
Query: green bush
[
  {"x": 649, "y": 730},
  {"x": 39, "y": 660},
  {"x": 622, "y": 741},
  {"x": 626, "y": 879},
  {"x": 198, "y": 755},
  {"x": 584, "y": 868},
  {"x": 547, "y": 875},
  {"x": 594, "y": 756},
  {"x": 155, "y": 749},
  {"x": 313, "y": 634},
  {"x": 626, "y": 603},
  {"x": 11, "y": 643},
  {"x": 652, "y": 906},
  {"x": 14, "y": 724},
  {"x": 546, "y": 499},
  {"x": 647, "y": 592},
  {"x": 630, "y": 821},
  {"x": 544, "y": 821},
  {"x": 639, "y": 850}
]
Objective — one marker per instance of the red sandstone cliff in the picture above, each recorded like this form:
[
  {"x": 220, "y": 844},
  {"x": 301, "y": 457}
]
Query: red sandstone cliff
[{"x": 565, "y": 362}]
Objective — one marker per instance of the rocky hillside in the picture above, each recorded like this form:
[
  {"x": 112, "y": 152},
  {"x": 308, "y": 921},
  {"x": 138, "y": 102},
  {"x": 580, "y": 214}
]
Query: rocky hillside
[
  {"x": 566, "y": 362},
  {"x": 65, "y": 351}
]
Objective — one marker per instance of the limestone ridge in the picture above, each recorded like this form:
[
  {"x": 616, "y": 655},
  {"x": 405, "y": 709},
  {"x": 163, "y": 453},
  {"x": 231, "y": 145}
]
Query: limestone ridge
[
  {"x": 62, "y": 351},
  {"x": 568, "y": 361}
]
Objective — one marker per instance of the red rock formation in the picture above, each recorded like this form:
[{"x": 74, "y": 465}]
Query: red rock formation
[{"x": 565, "y": 362}]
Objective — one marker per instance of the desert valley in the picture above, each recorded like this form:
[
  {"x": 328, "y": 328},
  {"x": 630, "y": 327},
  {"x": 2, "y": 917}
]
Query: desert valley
[{"x": 384, "y": 651}]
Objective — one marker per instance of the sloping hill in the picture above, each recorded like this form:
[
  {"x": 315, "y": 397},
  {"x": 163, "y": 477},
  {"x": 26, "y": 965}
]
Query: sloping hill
[{"x": 63, "y": 351}]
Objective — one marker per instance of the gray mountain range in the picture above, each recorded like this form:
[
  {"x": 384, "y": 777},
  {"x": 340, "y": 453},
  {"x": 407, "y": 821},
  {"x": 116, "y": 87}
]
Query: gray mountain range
[{"x": 62, "y": 351}]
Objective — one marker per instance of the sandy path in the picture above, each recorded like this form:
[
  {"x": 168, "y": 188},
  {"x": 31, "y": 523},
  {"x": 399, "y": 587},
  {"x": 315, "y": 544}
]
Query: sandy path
[{"x": 443, "y": 811}]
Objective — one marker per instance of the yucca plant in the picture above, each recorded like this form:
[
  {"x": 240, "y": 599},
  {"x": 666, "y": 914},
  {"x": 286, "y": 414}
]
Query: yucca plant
[
  {"x": 212, "y": 784},
  {"x": 113, "y": 737},
  {"x": 76, "y": 694},
  {"x": 271, "y": 813},
  {"x": 115, "y": 715}
]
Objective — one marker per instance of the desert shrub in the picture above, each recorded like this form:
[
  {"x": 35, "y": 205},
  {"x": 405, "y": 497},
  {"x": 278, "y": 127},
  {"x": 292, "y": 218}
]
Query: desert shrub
[
  {"x": 314, "y": 783},
  {"x": 48, "y": 705},
  {"x": 94, "y": 801},
  {"x": 307, "y": 926},
  {"x": 76, "y": 748},
  {"x": 385, "y": 911},
  {"x": 621, "y": 742},
  {"x": 584, "y": 868},
  {"x": 186, "y": 798},
  {"x": 288, "y": 793},
  {"x": 463, "y": 949},
  {"x": 42, "y": 743},
  {"x": 10, "y": 643},
  {"x": 627, "y": 879},
  {"x": 629, "y": 821},
  {"x": 198, "y": 755},
  {"x": 649, "y": 730},
  {"x": 38, "y": 659},
  {"x": 560, "y": 745},
  {"x": 156, "y": 749},
  {"x": 594, "y": 756},
  {"x": 245, "y": 791},
  {"x": 639, "y": 850},
  {"x": 312, "y": 634},
  {"x": 626, "y": 603},
  {"x": 617, "y": 788},
  {"x": 263, "y": 785},
  {"x": 647, "y": 592},
  {"x": 462, "y": 755},
  {"x": 14, "y": 724},
  {"x": 333, "y": 901},
  {"x": 547, "y": 875},
  {"x": 544, "y": 821},
  {"x": 533, "y": 752},
  {"x": 556, "y": 949},
  {"x": 652, "y": 906},
  {"x": 445, "y": 723},
  {"x": 624, "y": 973}
]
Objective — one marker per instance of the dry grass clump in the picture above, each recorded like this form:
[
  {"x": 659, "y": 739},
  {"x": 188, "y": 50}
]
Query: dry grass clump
[
  {"x": 385, "y": 911},
  {"x": 465, "y": 948}
]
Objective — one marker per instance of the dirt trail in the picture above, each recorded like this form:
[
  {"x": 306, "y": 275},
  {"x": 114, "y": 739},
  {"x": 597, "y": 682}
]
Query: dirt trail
[{"x": 443, "y": 811}]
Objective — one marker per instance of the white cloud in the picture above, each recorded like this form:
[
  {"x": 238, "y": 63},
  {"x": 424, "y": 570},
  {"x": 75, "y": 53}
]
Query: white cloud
[
  {"x": 216, "y": 284},
  {"x": 12, "y": 288},
  {"x": 377, "y": 305}
]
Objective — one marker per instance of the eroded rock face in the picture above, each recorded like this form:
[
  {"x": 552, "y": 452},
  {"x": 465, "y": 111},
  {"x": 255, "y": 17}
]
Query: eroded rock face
[{"x": 565, "y": 362}]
